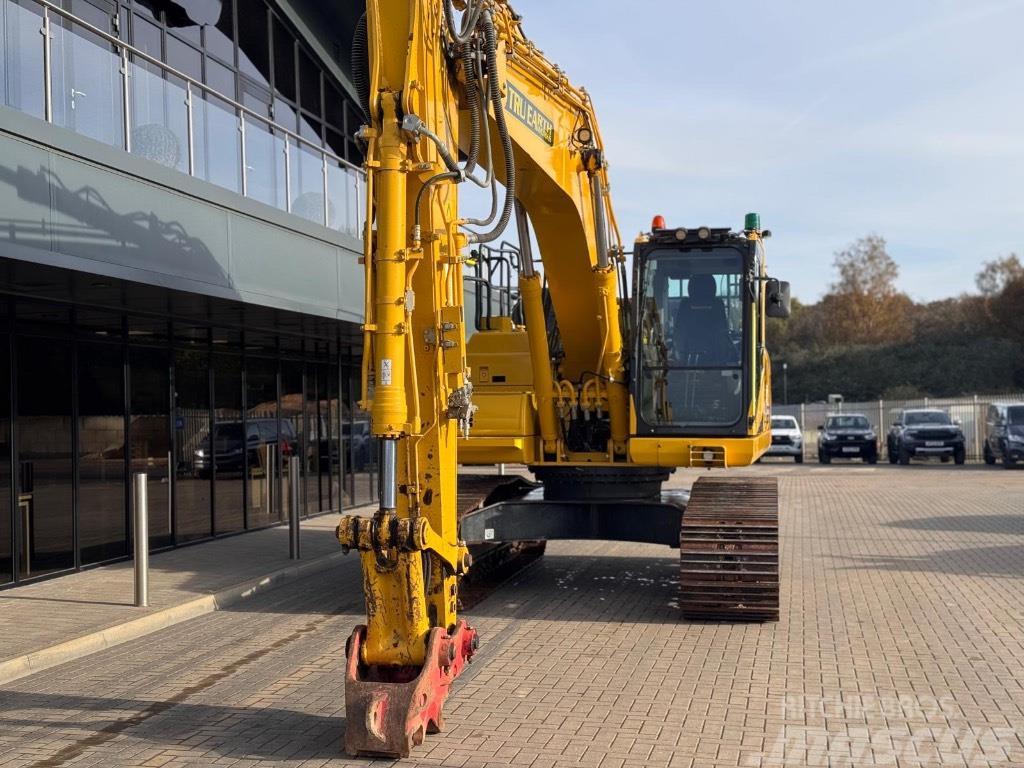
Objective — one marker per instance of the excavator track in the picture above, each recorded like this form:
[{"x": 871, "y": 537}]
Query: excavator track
[{"x": 729, "y": 550}]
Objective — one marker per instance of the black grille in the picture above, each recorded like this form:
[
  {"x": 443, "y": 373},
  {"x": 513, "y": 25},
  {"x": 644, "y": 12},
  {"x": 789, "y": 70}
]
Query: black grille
[{"x": 781, "y": 440}]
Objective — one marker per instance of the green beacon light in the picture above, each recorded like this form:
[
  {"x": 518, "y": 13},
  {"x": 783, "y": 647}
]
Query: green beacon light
[{"x": 752, "y": 222}]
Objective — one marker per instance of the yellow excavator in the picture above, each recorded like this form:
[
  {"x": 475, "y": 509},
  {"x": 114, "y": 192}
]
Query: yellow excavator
[{"x": 601, "y": 394}]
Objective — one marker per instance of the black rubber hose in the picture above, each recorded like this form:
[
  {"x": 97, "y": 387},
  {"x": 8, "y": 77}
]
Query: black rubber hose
[
  {"x": 473, "y": 102},
  {"x": 361, "y": 66},
  {"x": 506, "y": 142}
]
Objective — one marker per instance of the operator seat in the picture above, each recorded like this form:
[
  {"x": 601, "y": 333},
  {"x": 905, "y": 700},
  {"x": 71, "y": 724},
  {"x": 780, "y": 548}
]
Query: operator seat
[{"x": 701, "y": 332}]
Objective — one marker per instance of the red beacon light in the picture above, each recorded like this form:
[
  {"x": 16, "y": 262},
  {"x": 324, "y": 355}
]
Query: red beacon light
[{"x": 658, "y": 223}]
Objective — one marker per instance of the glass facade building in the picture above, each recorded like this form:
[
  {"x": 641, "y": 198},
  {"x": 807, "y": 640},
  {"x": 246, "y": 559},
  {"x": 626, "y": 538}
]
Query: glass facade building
[
  {"x": 180, "y": 214},
  {"x": 90, "y": 395}
]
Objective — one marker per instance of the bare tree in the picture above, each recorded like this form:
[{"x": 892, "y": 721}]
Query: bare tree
[{"x": 995, "y": 275}]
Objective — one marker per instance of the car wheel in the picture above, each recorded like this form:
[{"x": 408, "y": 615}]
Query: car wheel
[
  {"x": 945, "y": 459},
  {"x": 990, "y": 458},
  {"x": 959, "y": 456},
  {"x": 799, "y": 458},
  {"x": 1008, "y": 463},
  {"x": 891, "y": 453},
  {"x": 824, "y": 458},
  {"x": 872, "y": 459},
  {"x": 904, "y": 456}
]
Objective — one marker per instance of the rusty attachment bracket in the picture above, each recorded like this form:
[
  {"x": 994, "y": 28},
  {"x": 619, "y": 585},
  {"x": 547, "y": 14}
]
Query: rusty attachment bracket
[{"x": 390, "y": 710}]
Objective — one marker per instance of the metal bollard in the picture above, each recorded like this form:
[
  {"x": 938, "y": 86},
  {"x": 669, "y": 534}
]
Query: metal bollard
[
  {"x": 141, "y": 522},
  {"x": 295, "y": 478}
]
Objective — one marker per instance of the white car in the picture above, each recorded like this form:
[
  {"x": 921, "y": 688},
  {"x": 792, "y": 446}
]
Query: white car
[{"x": 787, "y": 438}]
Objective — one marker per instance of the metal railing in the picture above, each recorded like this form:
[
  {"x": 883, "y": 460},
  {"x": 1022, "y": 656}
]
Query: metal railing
[
  {"x": 107, "y": 89},
  {"x": 969, "y": 412}
]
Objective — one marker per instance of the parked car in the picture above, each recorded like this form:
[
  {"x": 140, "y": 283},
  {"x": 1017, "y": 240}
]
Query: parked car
[
  {"x": 1004, "y": 434},
  {"x": 925, "y": 432},
  {"x": 847, "y": 436},
  {"x": 787, "y": 438},
  {"x": 229, "y": 448}
]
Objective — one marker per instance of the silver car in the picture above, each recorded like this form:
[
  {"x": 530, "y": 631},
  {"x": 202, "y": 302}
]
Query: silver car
[{"x": 787, "y": 438}]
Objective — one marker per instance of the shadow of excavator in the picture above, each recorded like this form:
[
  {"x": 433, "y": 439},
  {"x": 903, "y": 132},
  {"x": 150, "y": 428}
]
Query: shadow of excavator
[{"x": 100, "y": 229}]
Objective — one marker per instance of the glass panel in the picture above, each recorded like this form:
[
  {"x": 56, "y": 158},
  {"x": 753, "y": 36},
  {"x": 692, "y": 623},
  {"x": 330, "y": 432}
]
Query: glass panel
[
  {"x": 363, "y": 455},
  {"x": 146, "y": 37},
  {"x": 184, "y": 58},
  {"x": 291, "y": 424},
  {"x": 47, "y": 537},
  {"x": 254, "y": 40},
  {"x": 151, "y": 436},
  {"x": 330, "y": 373},
  {"x": 342, "y": 200},
  {"x": 265, "y": 169},
  {"x": 192, "y": 488},
  {"x": 284, "y": 61},
  {"x": 102, "y": 521},
  {"x": 221, "y": 79},
  {"x": 217, "y": 143},
  {"x": 309, "y": 83},
  {"x": 159, "y": 117},
  {"x": 228, "y": 444},
  {"x": 262, "y": 441},
  {"x": 6, "y": 519},
  {"x": 87, "y": 84},
  {"x": 220, "y": 38},
  {"x": 692, "y": 330},
  {"x": 313, "y": 429},
  {"x": 307, "y": 183},
  {"x": 23, "y": 57}
]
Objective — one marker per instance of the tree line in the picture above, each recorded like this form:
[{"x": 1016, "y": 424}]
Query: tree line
[{"x": 866, "y": 339}]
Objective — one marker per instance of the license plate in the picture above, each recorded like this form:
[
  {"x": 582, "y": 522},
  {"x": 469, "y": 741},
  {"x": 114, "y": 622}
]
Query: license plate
[
  {"x": 851, "y": 449},
  {"x": 933, "y": 443}
]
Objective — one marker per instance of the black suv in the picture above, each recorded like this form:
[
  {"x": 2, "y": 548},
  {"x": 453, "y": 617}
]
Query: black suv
[
  {"x": 1004, "y": 434},
  {"x": 925, "y": 432},
  {"x": 847, "y": 436}
]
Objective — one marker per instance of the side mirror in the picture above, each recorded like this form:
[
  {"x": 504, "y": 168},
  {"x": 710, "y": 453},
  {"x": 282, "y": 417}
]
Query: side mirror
[{"x": 777, "y": 298}]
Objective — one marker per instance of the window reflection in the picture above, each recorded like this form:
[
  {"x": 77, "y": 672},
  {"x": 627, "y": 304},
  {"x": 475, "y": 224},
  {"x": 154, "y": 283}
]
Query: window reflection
[
  {"x": 192, "y": 494},
  {"x": 45, "y": 476},
  {"x": 266, "y": 441},
  {"x": 102, "y": 521},
  {"x": 227, "y": 446},
  {"x": 86, "y": 83},
  {"x": 6, "y": 520},
  {"x": 150, "y": 435},
  {"x": 292, "y": 423}
]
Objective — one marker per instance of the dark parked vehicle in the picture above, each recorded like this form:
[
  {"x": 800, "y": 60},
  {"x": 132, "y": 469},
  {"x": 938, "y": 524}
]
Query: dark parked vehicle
[
  {"x": 925, "y": 432},
  {"x": 230, "y": 451},
  {"x": 1004, "y": 434},
  {"x": 847, "y": 436}
]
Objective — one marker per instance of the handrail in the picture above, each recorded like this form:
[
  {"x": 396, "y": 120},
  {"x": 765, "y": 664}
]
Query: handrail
[{"x": 241, "y": 108}]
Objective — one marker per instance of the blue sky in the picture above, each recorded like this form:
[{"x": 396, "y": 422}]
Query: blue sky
[{"x": 833, "y": 120}]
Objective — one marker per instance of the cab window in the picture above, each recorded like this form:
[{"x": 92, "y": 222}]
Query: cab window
[{"x": 692, "y": 337}]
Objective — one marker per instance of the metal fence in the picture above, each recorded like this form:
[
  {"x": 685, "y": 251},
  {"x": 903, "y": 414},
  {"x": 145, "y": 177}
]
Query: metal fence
[
  {"x": 969, "y": 412},
  {"x": 61, "y": 69}
]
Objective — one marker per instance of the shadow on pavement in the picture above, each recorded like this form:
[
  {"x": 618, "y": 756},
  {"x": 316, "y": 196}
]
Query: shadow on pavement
[
  {"x": 242, "y": 732},
  {"x": 1006, "y": 560},
  {"x": 1006, "y": 524}
]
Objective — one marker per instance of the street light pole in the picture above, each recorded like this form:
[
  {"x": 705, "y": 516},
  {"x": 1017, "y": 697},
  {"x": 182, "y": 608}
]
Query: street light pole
[{"x": 785, "y": 383}]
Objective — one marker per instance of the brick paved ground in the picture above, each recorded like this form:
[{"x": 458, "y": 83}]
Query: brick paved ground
[
  {"x": 62, "y": 609},
  {"x": 901, "y": 644}
]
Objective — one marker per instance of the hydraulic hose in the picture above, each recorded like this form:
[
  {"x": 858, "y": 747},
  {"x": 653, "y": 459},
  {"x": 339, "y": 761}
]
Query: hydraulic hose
[
  {"x": 506, "y": 141},
  {"x": 361, "y": 66},
  {"x": 473, "y": 102}
]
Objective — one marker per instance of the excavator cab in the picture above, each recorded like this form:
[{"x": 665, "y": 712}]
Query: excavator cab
[{"x": 701, "y": 298}]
